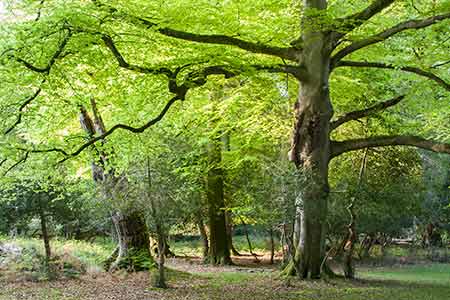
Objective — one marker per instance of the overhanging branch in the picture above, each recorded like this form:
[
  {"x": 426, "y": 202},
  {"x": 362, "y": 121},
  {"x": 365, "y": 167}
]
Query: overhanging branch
[
  {"x": 124, "y": 127},
  {"x": 338, "y": 148},
  {"x": 290, "y": 53},
  {"x": 124, "y": 64},
  {"x": 415, "y": 70},
  {"x": 297, "y": 71},
  {"x": 358, "y": 114},
  {"x": 377, "y": 38}
]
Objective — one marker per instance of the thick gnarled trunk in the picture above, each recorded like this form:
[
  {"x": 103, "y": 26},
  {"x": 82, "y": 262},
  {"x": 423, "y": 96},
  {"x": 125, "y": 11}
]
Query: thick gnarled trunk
[
  {"x": 131, "y": 229},
  {"x": 311, "y": 144},
  {"x": 133, "y": 241}
]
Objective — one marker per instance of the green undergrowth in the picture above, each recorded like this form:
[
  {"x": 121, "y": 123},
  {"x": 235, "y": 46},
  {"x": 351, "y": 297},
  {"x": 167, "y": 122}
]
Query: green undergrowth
[{"x": 70, "y": 258}]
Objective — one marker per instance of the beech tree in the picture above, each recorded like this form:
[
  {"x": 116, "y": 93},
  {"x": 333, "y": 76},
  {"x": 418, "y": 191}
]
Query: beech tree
[{"x": 183, "y": 44}]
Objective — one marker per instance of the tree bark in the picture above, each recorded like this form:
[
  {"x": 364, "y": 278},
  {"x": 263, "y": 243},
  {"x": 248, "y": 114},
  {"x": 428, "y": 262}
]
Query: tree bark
[
  {"x": 219, "y": 252},
  {"x": 160, "y": 280},
  {"x": 45, "y": 236},
  {"x": 130, "y": 227},
  {"x": 204, "y": 237},
  {"x": 272, "y": 246},
  {"x": 133, "y": 239},
  {"x": 311, "y": 144}
]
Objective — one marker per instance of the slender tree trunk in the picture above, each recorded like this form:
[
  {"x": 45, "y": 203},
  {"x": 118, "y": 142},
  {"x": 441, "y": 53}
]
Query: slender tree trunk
[
  {"x": 160, "y": 280},
  {"x": 272, "y": 246},
  {"x": 250, "y": 248},
  {"x": 349, "y": 270},
  {"x": 311, "y": 143},
  {"x": 204, "y": 237},
  {"x": 229, "y": 223},
  {"x": 45, "y": 237}
]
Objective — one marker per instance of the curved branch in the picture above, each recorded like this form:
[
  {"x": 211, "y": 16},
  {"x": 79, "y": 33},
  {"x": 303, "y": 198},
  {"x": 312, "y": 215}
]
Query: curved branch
[
  {"x": 290, "y": 53},
  {"x": 124, "y": 127},
  {"x": 22, "y": 160},
  {"x": 52, "y": 60},
  {"x": 351, "y": 22},
  {"x": 22, "y": 107},
  {"x": 377, "y": 38},
  {"x": 58, "y": 150},
  {"x": 296, "y": 71},
  {"x": 415, "y": 70},
  {"x": 124, "y": 64},
  {"x": 358, "y": 114},
  {"x": 338, "y": 148}
]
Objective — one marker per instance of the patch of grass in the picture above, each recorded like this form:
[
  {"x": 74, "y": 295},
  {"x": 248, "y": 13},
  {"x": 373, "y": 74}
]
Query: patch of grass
[{"x": 438, "y": 274}]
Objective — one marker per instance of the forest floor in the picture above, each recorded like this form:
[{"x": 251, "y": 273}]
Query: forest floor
[
  {"x": 189, "y": 279},
  {"x": 401, "y": 275}
]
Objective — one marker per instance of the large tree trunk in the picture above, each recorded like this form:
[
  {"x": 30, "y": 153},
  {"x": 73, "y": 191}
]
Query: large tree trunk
[
  {"x": 133, "y": 241},
  {"x": 219, "y": 252},
  {"x": 311, "y": 144},
  {"x": 131, "y": 229}
]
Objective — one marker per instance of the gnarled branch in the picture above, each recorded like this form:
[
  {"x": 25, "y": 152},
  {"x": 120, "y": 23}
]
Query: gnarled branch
[
  {"x": 296, "y": 71},
  {"x": 379, "y": 37},
  {"x": 125, "y": 127},
  {"x": 380, "y": 65},
  {"x": 338, "y": 148},
  {"x": 124, "y": 64},
  {"x": 358, "y": 114},
  {"x": 290, "y": 53}
]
